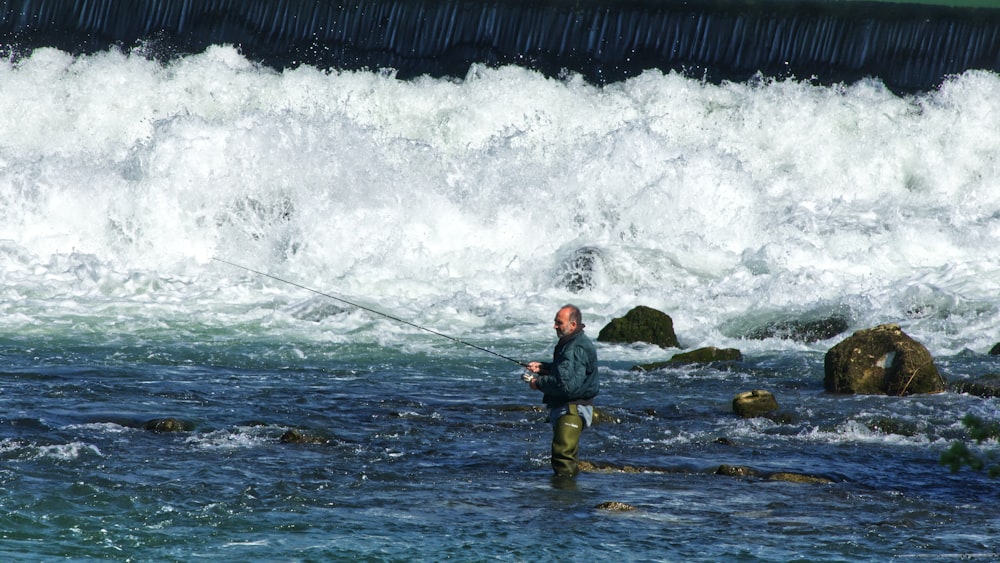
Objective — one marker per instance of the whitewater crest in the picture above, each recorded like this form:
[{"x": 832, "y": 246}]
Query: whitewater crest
[{"x": 483, "y": 200}]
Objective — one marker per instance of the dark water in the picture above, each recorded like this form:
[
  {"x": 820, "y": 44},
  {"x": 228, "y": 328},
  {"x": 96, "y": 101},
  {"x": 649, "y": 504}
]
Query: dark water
[
  {"x": 438, "y": 458},
  {"x": 910, "y": 47}
]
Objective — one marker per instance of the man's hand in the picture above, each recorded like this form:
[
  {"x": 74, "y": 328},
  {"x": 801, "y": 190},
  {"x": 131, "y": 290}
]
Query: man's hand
[
  {"x": 534, "y": 367},
  {"x": 531, "y": 380}
]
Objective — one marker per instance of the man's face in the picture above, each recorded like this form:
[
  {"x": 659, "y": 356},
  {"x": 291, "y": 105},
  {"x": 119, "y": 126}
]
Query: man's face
[{"x": 562, "y": 324}]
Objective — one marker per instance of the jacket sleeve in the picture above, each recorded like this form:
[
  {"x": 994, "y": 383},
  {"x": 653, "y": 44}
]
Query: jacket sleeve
[{"x": 567, "y": 376}]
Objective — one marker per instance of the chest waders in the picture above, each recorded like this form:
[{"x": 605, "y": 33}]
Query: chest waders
[{"x": 566, "y": 429}]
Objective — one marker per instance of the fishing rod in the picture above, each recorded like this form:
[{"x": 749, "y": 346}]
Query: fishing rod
[{"x": 370, "y": 310}]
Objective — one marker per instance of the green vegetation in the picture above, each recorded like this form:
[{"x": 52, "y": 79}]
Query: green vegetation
[{"x": 959, "y": 454}]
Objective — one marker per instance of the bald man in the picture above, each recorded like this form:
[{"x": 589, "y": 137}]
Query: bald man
[{"x": 569, "y": 384}]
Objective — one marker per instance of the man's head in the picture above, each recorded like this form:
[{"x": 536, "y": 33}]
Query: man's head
[{"x": 568, "y": 320}]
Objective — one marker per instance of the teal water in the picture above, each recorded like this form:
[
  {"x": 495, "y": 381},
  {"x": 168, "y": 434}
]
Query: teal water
[{"x": 438, "y": 457}]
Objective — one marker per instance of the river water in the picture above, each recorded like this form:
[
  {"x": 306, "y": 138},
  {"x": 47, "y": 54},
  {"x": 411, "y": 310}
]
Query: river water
[{"x": 461, "y": 206}]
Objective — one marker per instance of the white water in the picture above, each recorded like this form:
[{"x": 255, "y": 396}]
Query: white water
[{"x": 456, "y": 204}]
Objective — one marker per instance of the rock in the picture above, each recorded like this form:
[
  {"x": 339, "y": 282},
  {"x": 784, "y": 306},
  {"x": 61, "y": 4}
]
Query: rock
[
  {"x": 615, "y": 506},
  {"x": 653, "y": 366},
  {"x": 781, "y": 417},
  {"x": 591, "y": 467},
  {"x": 985, "y": 387},
  {"x": 881, "y": 361},
  {"x": 995, "y": 350},
  {"x": 641, "y": 324},
  {"x": 744, "y": 471},
  {"x": 168, "y": 424},
  {"x": 736, "y": 471},
  {"x": 750, "y": 404},
  {"x": 707, "y": 355},
  {"x": 296, "y": 436},
  {"x": 887, "y": 425},
  {"x": 577, "y": 272},
  {"x": 798, "y": 478},
  {"x": 602, "y": 416},
  {"x": 801, "y": 331}
]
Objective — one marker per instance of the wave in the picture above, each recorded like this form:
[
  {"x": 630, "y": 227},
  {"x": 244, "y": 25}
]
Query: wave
[{"x": 909, "y": 47}]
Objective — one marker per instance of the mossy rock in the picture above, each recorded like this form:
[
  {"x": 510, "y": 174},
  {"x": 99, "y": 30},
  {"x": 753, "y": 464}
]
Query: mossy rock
[
  {"x": 168, "y": 424},
  {"x": 744, "y": 471},
  {"x": 641, "y": 324},
  {"x": 881, "y": 361},
  {"x": 798, "y": 478},
  {"x": 600, "y": 467},
  {"x": 707, "y": 355},
  {"x": 736, "y": 471},
  {"x": 602, "y": 416},
  {"x": 750, "y": 404}
]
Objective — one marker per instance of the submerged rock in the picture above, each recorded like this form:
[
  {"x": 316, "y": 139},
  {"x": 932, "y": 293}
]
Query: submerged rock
[
  {"x": 985, "y": 387},
  {"x": 578, "y": 271},
  {"x": 615, "y": 506},
  {"x": 168, "y": 424},
  {"x": 798, "y": 478},
  {"x": 758, "y": 402},
  {"x": 744, "y": 471},
  {"x": 881, "y": 361},
  {"x": 602, "y": 416},
  {"x": 296, "y": 436},
  {"x": 888, "y": 425},
  {"x": 641, "y": 324},
  {"x": 802, "y": 331},
  {"x": 591, "y": 467},
  {"x": 706, "y": 355}
]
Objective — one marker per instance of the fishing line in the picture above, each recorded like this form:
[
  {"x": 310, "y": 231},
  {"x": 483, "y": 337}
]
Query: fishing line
[{"x": 370, "y": 310}]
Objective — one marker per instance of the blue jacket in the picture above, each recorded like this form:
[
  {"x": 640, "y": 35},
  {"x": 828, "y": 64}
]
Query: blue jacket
[{"x": 572, "y": 374}]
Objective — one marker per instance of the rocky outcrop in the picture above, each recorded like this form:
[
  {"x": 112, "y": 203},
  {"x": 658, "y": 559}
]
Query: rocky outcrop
[
  {"x": 641, "y": 324},
  {"x": 707, "y": 355},
  {"x": 881, "y": 361},
  {"x": 750, "y": 404},
  {"x": 995, "y": 350}
]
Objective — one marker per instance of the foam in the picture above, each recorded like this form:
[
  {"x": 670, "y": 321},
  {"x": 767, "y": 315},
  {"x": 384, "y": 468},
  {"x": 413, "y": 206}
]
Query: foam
[{"x": 460, "y": 202}]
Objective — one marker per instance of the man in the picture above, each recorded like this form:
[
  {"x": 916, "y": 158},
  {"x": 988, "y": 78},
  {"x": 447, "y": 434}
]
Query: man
[{"x": 569, "y": 384}]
